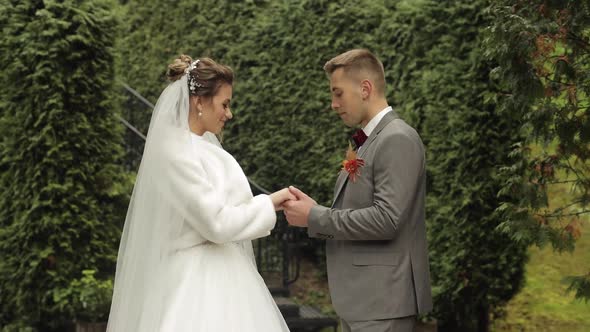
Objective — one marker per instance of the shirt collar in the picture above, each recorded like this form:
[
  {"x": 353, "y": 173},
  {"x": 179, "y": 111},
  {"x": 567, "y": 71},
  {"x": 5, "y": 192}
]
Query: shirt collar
[{"x": 368, "y": 129}]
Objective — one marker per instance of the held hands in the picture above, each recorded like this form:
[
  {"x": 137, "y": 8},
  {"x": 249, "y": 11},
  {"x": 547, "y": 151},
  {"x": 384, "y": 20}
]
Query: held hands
[
  {"x": 297, "y": 211},
  {"x": 280, "y": 197}
]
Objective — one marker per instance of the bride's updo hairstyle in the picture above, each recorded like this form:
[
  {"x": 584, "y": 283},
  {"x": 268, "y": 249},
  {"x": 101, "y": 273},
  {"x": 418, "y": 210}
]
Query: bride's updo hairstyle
[{"x": 205, "y": 75}]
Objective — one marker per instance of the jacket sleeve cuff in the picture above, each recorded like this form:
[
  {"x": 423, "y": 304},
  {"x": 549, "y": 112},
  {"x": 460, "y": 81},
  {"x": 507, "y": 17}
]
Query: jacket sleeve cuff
[{"x": 318, "y": 222}]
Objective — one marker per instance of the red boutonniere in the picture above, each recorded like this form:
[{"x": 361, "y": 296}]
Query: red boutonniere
[{"x": 352, "y": 164}]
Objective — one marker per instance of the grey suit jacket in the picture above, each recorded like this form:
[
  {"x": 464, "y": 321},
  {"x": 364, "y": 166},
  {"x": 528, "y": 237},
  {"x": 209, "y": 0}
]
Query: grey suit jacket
[{"x": 375, "y": 231}]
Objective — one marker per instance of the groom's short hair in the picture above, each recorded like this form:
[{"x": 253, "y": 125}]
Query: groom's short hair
[{"x": 358, "y": 62}]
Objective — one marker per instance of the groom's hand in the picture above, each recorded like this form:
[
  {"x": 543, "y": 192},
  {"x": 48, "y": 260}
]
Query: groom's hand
[
  {"x": 280, "y": 197},
  {"x": 297, "y": 211}
]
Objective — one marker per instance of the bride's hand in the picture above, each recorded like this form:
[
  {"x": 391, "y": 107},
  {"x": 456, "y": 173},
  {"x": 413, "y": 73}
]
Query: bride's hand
[{"x": 280, "y": 197}]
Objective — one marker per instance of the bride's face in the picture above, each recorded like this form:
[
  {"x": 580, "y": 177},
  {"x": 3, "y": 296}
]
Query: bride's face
[{"x": 216, "y": 111}]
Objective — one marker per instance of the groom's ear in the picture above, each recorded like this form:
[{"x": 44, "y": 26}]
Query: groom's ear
[{"x": 366, "y": 88}]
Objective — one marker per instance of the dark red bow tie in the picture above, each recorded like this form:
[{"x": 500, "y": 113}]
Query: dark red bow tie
[{"x": 359, "y": 138}]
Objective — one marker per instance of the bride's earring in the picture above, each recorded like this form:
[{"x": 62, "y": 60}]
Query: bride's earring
[
  {"x": 199, "y": 112},
  {"x": 196, "y": 106}
]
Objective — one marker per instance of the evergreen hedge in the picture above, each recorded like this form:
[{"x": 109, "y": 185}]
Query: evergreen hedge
[
  {"x": 63, "y": 192},
  {"x": 284, "y": 131},
  {"x": 443, "y": 82}
]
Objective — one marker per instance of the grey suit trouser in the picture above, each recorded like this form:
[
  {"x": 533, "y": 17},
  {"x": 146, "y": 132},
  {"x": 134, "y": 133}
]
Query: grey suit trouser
[{"x": 404, "y": 324}]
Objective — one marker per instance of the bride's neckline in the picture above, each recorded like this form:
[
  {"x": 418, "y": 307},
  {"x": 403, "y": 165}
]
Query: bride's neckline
[{"x": 197, "y": 136}]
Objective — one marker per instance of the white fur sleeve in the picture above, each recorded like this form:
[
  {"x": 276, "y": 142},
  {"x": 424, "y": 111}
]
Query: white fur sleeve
[{"x": 201, "y": 204}]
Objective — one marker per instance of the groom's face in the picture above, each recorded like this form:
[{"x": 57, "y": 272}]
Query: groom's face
[{"x": 346, "y": 97}]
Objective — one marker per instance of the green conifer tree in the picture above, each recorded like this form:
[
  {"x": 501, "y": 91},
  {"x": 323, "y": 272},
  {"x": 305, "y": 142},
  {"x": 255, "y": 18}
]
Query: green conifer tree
[
  {"x": 542, "y": 53},
  {"x": 62, "y": 188}
]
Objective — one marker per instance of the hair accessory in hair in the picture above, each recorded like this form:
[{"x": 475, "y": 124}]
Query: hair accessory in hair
[{"x": 192, "y": 79}]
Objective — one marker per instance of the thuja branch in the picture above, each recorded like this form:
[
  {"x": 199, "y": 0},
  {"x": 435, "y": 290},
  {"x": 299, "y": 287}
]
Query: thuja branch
[{"x": 562, "y": 215}]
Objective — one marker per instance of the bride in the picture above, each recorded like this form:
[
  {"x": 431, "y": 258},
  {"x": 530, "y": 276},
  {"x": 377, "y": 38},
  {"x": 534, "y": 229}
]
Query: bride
[{"x": 185, "y": 260}]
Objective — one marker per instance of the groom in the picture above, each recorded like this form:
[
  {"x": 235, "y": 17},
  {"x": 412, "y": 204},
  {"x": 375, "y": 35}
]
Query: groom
[{"x": 375, "y": 231}]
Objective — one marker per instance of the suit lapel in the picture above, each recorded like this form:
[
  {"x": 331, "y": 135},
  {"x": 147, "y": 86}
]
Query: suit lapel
[
  {"x": 343, "y": 177},
  {"x": 384, "y": 122}
]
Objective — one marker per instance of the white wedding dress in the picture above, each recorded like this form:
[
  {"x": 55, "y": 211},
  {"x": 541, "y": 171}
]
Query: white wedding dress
[{"x": 185, "y": 261}]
